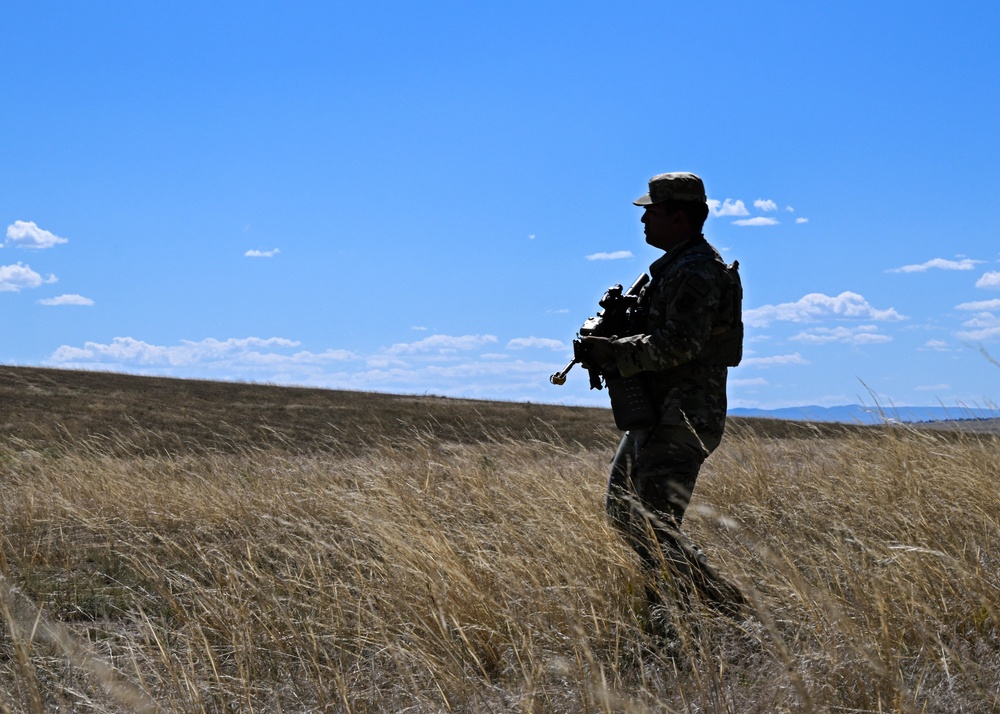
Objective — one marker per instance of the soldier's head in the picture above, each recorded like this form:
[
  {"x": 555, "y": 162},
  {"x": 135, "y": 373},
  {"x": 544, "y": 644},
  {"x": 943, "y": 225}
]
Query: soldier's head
[{"x": 675, "y": 209}]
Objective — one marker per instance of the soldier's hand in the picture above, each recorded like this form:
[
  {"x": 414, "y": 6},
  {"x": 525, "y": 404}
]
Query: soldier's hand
[{"x": 600, "y": 353}]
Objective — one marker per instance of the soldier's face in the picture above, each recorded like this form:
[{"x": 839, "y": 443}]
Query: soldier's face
[{"x": 664, "y": 229}]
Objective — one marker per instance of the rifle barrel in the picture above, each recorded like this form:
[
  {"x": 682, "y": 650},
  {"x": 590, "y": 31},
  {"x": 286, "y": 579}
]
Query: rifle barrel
[{"x": 559, "y": 378}]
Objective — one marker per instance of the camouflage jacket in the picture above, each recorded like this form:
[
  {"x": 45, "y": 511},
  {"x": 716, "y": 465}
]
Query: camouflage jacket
[{"x": 680, "y": 309}]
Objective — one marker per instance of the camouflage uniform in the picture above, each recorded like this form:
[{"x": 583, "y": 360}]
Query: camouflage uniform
[{"x": 685, "y": 339}]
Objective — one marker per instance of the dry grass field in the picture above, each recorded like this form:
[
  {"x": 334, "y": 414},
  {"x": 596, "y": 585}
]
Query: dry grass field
[{"x": 183, "y": 546}]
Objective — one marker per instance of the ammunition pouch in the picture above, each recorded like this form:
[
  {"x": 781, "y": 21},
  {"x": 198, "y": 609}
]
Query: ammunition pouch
[{"x": 630, "y": 403}]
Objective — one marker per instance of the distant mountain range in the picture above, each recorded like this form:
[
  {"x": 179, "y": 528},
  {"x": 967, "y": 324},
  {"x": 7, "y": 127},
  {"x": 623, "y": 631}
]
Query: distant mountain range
[{"x": 859, "y": 414}]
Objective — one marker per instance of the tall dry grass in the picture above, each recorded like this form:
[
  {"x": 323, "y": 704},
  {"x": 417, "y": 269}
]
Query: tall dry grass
[{"x": 432, "y": 575}]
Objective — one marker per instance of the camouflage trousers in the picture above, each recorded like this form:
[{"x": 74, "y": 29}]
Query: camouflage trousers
[{"x": 652, "y": 477}]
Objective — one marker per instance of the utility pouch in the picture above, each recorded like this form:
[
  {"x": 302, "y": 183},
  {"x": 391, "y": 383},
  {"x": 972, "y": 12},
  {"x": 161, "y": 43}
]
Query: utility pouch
[
  {"x": 726, "y": 347},
  {"x": 630, "y": 404}
]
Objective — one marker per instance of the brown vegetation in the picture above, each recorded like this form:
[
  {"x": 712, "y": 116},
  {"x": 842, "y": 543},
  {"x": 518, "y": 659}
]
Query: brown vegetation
[
  {"x": 188, "y": 546},
  {"x": 152, "y": 415}
]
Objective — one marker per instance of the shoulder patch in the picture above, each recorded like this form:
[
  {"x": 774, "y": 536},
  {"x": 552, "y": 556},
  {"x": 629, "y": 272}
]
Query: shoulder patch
[{"x": 699, "y": 285}]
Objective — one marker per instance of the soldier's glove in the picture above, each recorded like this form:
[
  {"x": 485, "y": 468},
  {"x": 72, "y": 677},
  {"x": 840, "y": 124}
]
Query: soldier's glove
[{"x": 599, "y": 352}]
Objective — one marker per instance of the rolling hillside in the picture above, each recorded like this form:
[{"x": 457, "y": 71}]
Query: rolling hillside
[{"x": 179, "y": 546}]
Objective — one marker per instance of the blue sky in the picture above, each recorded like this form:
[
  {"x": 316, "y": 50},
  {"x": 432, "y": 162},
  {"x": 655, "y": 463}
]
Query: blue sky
[{"x": 431, "y": 197}]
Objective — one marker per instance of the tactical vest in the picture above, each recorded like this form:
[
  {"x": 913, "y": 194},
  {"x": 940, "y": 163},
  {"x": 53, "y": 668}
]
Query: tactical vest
[{"x": 725, "y": 344}]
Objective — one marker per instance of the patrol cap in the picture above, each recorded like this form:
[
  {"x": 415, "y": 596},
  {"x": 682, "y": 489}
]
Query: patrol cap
[{"x": 677, "y": 186}]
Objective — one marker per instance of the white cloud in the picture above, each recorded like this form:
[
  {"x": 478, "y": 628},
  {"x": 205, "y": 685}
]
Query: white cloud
[
  {"x": 754, "y": 382},
  {"x": 303, "y": 357},
  {"x": 986, "y": 334},
  {"x": 262, "y": 253},
  {"x": 817, "y": 305},
  {"x": 238, "y": 353},
  {"x": 985, "y": 326},
  {"x": 127, "y": 349},
  {"x": 617, "y": 255},
  {"x": 441, "y": 344},
  {"x": 545, "y": 343},
  {"x": 861, "y": 335},
  {"x": 25, "y": 234},
  {"x": 989, "y": 280},
  {"x": 789, "y": 209},
  {"x": 245, "y": 342},
  {"x": 518, "y": 379},
  {"x": 429, "y": 366},
  {"x": 933, "y": 388},
  {"x": 67, "y": 300},
  {"x": 728, "y": 208},
  {"x": 775, "y": 361},
  {"x": 983, "y": 319},
  {"x": 935, "y": 345},
  {"x": 756, "y": 221},
  {"x": 75, "y": 355},
  {"x": 531, "y": 237},
  {"x": 765, "y": 204},
  {"x": 436, "y": 348},
  {"x": 801, "y": 220},
  {"x": 19, "y": 276},
  {"x": 939, "y": 263},
  {"x": 980, "y": 305}
]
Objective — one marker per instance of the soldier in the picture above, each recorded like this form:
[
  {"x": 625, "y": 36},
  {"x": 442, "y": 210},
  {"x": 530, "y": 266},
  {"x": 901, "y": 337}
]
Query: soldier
[{"x": 689, "y": 331}]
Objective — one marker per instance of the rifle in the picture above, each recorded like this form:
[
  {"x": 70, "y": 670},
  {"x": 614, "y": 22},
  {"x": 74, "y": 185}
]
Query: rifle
[{"x": 613, "y": 321}]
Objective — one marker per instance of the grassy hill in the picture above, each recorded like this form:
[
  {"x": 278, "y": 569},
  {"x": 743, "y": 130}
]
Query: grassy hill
[
  {"x": 163, "y": 415},
  {"x": 173, "y": 545}
]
